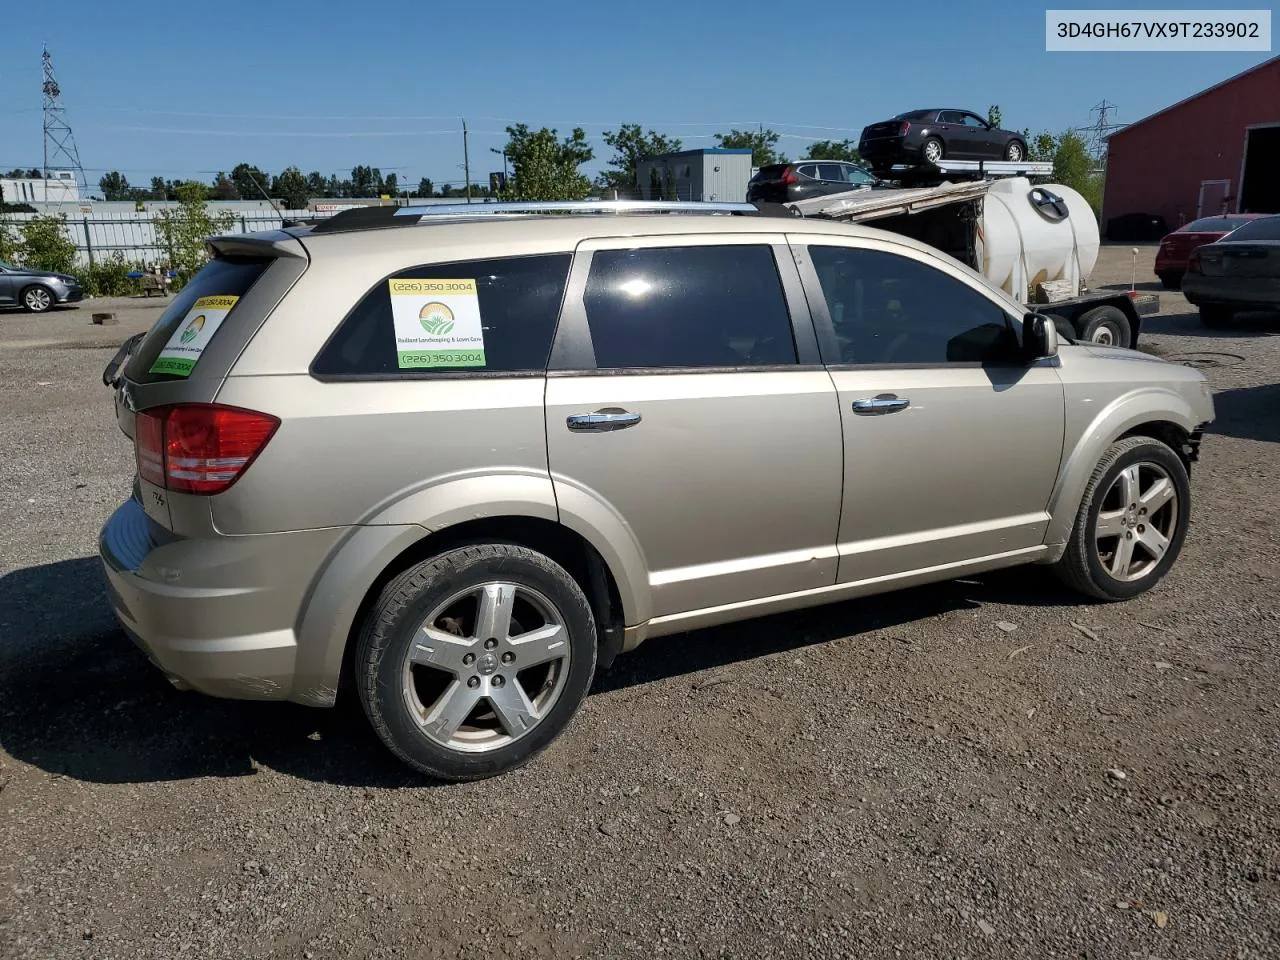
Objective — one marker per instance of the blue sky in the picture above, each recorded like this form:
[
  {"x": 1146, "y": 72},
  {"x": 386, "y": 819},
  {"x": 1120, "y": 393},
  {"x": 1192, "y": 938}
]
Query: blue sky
[{"x": 186, "y": 90}]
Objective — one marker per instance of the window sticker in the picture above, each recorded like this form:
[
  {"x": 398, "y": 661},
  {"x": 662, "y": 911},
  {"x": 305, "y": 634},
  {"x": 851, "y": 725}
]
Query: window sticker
[
  {"x": 182, "y": 352},
  {"x": 437, "y": 323}
]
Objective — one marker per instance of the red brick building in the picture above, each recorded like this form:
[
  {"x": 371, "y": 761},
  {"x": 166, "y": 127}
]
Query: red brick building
[{"x": 1216, "y": 151}]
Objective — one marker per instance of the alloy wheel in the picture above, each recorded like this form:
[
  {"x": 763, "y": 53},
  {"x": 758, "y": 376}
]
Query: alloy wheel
[
  {"x": 486, "y": 666},
  {"x": 37, "y": 299},
  {"x": 1137, "y": 521}
]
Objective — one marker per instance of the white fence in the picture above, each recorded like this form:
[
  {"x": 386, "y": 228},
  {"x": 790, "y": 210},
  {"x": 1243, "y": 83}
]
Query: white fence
[{"x": 98, "y": 237}]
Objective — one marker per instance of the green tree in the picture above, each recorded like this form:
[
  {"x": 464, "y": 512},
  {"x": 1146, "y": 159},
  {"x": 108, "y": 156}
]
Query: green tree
[
  {"x": 833, "y": 150},
  {"x": 183, "y": 231},
  {"x": 224, "y": 188},
  {"x": 114, "y": 186},
  {"x": 391, "y": 185},
  {"x": 244, "y": 175},
  {"x": 291, "y": 186},
  {"x": 1075, "y": 168},
  {"x": 425, "y": 188},
  {"x": 160, "y": 189},
  {"x": 631, "y": 145},
  {"x": 17, "y": 173},
  {"x": 760, "y": 142},
  {"x": 364, "y": 182},
  {"x": 46, "y": 246},
  {"x": 317, "y": 184},
  {"x": 1041, "y": 147},
  {"x": 994, "y": 115},
  {"x": 546, "y": 167}
]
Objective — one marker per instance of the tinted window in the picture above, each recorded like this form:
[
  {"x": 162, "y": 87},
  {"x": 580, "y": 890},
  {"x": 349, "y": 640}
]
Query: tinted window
[
  {"x": 969, "y": 120},
  {"x": 517, "y": 299},
  {"x": 809, "y": 170},
  {"x": 1266, "y": 228},
  {"x": 223, "y": 277},
  {"x": 915, "y": 115},
  {"x": 1213, "y": 225},
  {"x": 855, "y": 174},
  {"x": 832, "y": 172},
  {"x": 771, "y": 172},
  {"x": 715, "y": 306},
  {"x": 890, "y": 309}
]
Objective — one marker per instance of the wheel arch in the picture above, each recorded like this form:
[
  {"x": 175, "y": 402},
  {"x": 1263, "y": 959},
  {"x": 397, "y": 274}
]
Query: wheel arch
[
  {"x": 372, "y": 555},
  {"x": 1153, "y": 412}
]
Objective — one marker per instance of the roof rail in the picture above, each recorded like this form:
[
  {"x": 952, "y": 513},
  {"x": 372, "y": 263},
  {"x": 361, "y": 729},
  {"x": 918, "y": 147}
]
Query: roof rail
[
  {"x": 577, "y": 206},
  {"x": 372, "y": 218}
]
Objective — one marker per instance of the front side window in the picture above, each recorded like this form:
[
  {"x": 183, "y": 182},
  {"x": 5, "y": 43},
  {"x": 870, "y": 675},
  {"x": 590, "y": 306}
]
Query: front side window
[
  {"x": 969, "y": 120},
  {"x": 696, "y": 306},
  {"x": 890, "y": 309},
  {"x": 481, "y": 316}
]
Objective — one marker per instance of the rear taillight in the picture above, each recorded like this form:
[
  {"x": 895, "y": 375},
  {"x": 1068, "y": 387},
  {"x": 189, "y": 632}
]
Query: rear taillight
[
  {"x": 902, "y": 130},
  {"x": 789, "y": 176},
  {"x": 200, "y": 448}
]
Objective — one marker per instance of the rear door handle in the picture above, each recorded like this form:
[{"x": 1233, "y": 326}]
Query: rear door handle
[
  {"x": 884, "y": 403},
  {"x": 610, "y": 418}
]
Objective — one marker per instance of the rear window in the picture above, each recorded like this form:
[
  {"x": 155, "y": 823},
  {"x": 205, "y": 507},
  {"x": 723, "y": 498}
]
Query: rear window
[
  {"x": 915, "y": 115},
  {"x": 1267, "y": 228},
  {"x": 172, "y": 349},
  {"x": 477, "y": 316},
  {"x": 1214, "y": 224},
  {"x": 772, "y": 172}
]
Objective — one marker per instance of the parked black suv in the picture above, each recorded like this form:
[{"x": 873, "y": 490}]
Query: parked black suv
[
  {"x": 928, "y": 136},
  {"x": 802, "y": 179}
]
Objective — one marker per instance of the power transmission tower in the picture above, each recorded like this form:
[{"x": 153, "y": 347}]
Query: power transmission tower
[
  {"x": 1096, "y": 134},
  {"x": 59, "y": 141}
]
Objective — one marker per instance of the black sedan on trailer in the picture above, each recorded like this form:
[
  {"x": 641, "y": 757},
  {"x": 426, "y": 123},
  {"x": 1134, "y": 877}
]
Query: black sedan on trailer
[
  {"x": 1240, "y": 272},
  {"x": 928, "y": 136}
]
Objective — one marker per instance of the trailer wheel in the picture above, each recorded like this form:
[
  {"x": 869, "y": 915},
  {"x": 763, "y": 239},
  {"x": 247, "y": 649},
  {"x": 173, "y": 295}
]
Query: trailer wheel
[{"x": 1107, "y": 326}]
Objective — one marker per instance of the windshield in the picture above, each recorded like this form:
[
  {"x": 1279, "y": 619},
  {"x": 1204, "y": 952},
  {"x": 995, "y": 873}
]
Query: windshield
[
  {"x": 1214, "y": 224},
  {"x": 1266, "y": 228}
]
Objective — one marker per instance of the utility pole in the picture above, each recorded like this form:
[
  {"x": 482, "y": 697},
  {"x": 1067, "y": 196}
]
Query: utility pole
[
  {"x": 466, "y": 159},
  {"x": 58, "y": 137}
]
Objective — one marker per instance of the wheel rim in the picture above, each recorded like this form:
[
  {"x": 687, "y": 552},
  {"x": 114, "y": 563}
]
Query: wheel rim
[
  {"x": 1105, "y": 335},
  {"x": 933, "y": 151},
  {"x": 38, "y": 299},
  {"x": 476, "y": 678},
  {"x": 1015, "y": 152},
  {"x": 1137, "y": 521}
]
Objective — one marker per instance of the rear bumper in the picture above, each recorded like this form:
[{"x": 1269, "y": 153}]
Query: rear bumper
[
  {"x": 216, "y": 615},
  {"x": 888, "y": 150},
  {"x": 1246, "y": 293}
]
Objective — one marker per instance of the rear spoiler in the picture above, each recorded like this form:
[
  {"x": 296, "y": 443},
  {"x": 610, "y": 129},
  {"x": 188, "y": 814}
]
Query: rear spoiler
[{"x": 267, "y": 243}]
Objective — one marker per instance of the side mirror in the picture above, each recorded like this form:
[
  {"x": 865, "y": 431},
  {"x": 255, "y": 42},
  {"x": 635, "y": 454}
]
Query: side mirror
[{"x": 1039, "y": 337}]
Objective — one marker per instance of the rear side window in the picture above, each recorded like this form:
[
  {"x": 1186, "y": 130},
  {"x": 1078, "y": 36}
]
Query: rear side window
[
  {"x": 1267, "y": 228},
  {"x": 172, "y": 350},
  {"x": 703, "y": 306},
  {"x": 481, "y": 316}
]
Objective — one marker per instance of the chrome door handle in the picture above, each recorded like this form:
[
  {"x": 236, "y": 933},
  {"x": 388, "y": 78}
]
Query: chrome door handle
[
  {"x": 884, "y": 403},
  {"x": 602, "y": 420}
]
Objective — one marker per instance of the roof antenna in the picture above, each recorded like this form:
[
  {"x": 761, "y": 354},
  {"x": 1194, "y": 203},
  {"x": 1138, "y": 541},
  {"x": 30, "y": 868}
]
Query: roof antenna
[{"x": 284, "y": 221}]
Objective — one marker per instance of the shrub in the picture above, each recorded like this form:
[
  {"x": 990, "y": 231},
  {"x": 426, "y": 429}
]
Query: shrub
[
  {"x": 46, "y": 246},
  {"x": 109, "y": 277}
]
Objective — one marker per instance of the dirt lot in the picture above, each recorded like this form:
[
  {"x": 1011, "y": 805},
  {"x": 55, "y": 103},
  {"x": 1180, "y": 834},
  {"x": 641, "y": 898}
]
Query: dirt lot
[{"x": 900, "y": 776}]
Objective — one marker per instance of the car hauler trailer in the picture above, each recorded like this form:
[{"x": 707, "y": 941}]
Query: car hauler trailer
[{"x": 1038, "y": 243}]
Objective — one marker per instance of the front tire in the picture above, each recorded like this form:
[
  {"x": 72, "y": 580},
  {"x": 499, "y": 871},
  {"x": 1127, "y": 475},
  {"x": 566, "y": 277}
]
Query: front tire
[
  {"x": 932, "y": 150},
  {"x": 37, "y": 299},
  {"x": 1131, "y": 524},
  {"x": 1107, "y": 326},
  {"x": 1014, "y": 152},
  {"x": 469, "y": 664}
]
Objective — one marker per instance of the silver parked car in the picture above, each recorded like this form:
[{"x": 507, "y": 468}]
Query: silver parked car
[{"x": 457, "y": 459}]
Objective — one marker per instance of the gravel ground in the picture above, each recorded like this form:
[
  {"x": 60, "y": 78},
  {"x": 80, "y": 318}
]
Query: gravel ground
[{"x": 982, "y": 767}]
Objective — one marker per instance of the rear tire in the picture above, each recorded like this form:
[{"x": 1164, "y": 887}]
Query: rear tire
[
  {"x": 1171, "y": 280},
  {"x": 1093, "y": 555},
  {"x": 37, "y": 299},
  {"x": 1212, "y": 316},
  {"x": 507, "y": 663},
  {"x": 1107, "y": 326}
]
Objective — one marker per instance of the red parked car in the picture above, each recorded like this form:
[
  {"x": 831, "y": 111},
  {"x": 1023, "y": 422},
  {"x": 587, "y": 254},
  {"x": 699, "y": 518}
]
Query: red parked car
[{"x": 1176, "y": 247}]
